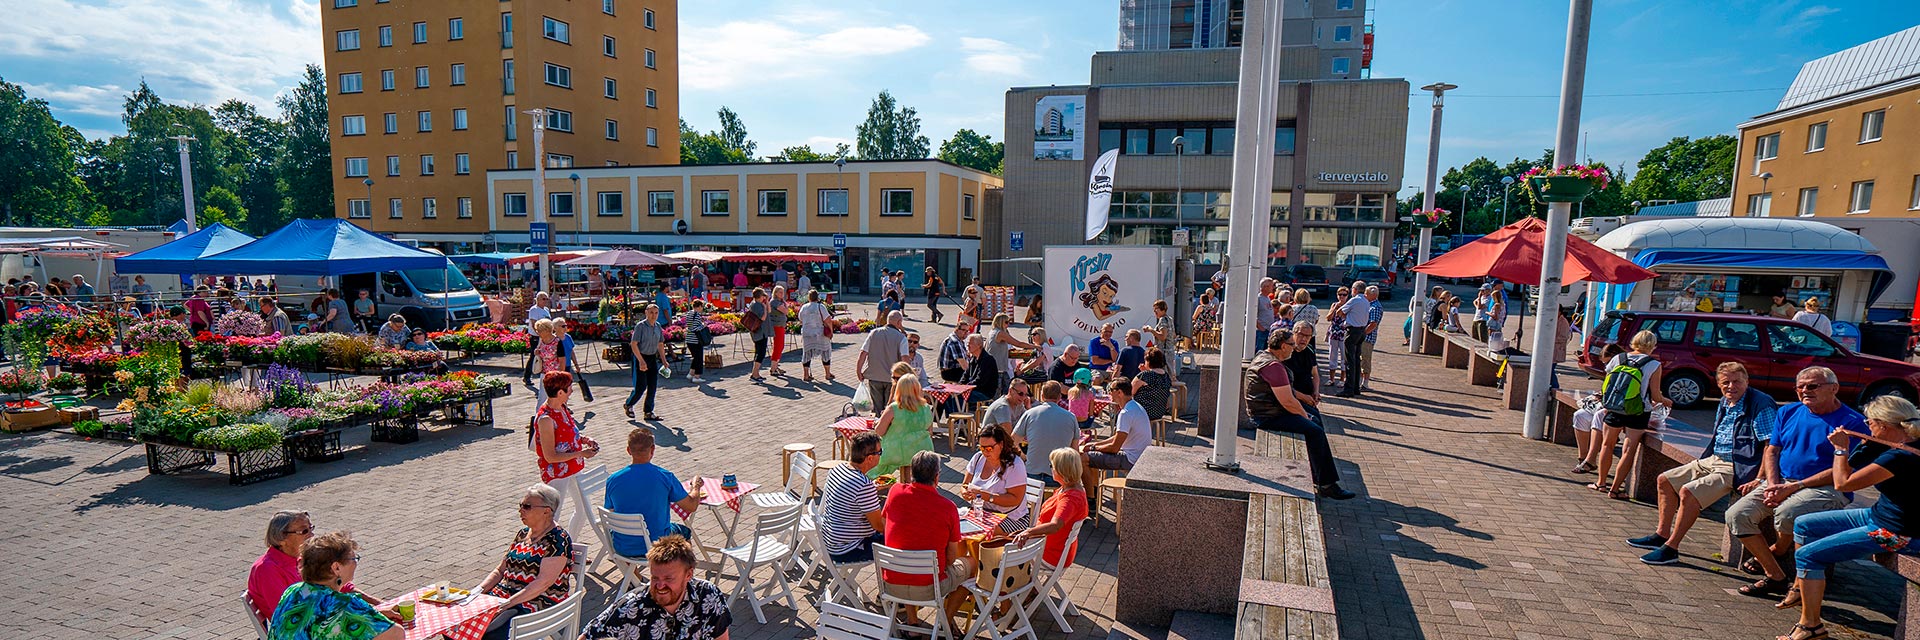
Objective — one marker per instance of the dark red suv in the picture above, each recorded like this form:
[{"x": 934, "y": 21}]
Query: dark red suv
[{"x": 1774, "y": 351}]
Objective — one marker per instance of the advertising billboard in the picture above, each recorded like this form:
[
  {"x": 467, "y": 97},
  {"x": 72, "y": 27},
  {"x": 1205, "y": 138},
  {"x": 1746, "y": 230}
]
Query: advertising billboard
[
  {"x": 1059, "y": 128},
  {"x": 1089, "y": 286}
]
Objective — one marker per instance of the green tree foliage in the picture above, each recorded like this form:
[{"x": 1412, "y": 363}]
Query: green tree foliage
[
  {"x": 800, "y": 153},
  {"x": 254, "y": 144},
  {"x": 1685, "y": 170},
  {"x": 971, "y": 149},
  {"x": 41, "y": 183},
  {"x": 222, "y": 206},
  {"x": 304, "y": 169},
  {"x": 729, "y": 145},
  {"x": 891, "y": 132}
]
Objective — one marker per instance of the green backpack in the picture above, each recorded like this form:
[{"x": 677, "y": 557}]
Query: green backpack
[{"x": 1624, "y": 389}]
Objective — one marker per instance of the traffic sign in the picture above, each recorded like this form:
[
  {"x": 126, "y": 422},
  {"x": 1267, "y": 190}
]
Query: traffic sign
[
  {"x": 839, "y": 242},
  {"x": 537, "y": 237},
  {"x": 1181, "y": 237},
  {"x": 1018, "y": 240}
]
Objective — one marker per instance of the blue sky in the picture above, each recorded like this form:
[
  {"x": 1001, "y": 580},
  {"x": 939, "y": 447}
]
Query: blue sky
[{"x": 804, "y": 71}]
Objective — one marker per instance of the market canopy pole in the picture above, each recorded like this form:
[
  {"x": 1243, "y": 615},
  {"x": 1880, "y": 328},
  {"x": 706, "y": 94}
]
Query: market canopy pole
[
  {"x": 1250, "y": 219},
  {"x": 1439, "y": 90},
  {"x": 1573, "y": 84}
]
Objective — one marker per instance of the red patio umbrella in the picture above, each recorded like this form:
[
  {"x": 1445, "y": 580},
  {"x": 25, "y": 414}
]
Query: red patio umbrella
[{"x": 1514, "y": 254}]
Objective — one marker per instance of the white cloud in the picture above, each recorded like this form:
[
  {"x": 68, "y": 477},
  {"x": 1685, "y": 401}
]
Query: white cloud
[
  {"x": 105, "y": 100},
  {"x": 737, "y": 53},
  {"x": 826, "y": 144},
  {"x": 994, "y": 57}
]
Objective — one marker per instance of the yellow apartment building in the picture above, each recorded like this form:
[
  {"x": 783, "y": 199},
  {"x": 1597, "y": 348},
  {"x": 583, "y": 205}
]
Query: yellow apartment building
[
  {"x": 896, "y": 214},
  {"x": 1841, "y": 142},
  {"x": 426, "y": 96}
]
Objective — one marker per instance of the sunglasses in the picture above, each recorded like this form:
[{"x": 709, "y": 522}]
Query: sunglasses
[
  {"x": 300, "y": 532},
  {"x": 529, "y": 507},
  {"x": 1809, "y": 386}
]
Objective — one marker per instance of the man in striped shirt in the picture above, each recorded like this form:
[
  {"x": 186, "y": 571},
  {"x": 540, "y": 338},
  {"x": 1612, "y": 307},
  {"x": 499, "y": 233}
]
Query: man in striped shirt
[{"x": 851, "y": 523}]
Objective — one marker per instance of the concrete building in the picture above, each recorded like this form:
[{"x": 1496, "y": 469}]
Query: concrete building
[
  {"x": 1340, "y": 151},
  {"x": 897, "y": 214},
  {"x": 1336, "y": 31},
  {"x": 427, "y": 96},
  {"x": 1840, "y": 143}
]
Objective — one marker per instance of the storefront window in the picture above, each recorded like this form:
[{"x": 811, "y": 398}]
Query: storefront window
[
  {"x": 1109, "y": 140},
  {"x": 1356, "y": 207},
  {"x": 912, "y": 261},
  {"x": 1699, "y": 291},
  {"x": 1341, "y": 247},
  {"x": 1136, "y": 142}
]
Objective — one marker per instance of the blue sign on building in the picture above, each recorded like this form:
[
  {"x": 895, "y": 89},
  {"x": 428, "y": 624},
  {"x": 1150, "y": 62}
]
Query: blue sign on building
[
  {"x": 839, "y": 242},
  {"x": 1019, "y": 240},
  {"x": 537, "y": 237}
]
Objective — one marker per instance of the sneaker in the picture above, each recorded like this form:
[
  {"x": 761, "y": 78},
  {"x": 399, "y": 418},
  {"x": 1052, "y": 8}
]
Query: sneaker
[
  {"x": 1662, "y": 555},
  {"x": 1333, "y": 492},
  {"x": 1654, "y": 541}
]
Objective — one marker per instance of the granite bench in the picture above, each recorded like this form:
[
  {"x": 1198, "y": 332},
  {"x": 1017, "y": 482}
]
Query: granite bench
[
  {"x": 1672, "y": 445},
  {"x": 1906, "y": 567},
  {"x": 1458, "y": 350}
]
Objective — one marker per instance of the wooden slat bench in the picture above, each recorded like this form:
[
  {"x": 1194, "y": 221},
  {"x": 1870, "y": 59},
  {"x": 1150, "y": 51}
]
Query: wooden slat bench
[{"x": 1284, "y": 589}]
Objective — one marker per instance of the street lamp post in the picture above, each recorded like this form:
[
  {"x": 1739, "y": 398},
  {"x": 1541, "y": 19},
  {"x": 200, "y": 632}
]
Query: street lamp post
[
  {"x": 1425, "y": 247},
  {"x": 840, "y": 180},
  {"x": 1573, "y": 85},
  {"x": 579, "y": 221},
  {"x": 369, "y": 183},
  {"x": 540, "y": 189},
  {"x": 1506, "y": 189},
  {"x": 186, "y": 179}
]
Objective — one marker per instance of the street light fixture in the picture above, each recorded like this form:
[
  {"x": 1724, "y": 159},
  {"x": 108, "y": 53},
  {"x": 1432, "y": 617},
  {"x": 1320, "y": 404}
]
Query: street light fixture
[
  {"x": 186, "y": 176},
  {"x": 840, "y": 181},
  {"x": 1506, "y": 189},
  {"x": 1179, "y": 188},
  {"x": 540, "y": 189},
  {"x": 369, "y": 183},
  {"x": 579, "y": 221}
]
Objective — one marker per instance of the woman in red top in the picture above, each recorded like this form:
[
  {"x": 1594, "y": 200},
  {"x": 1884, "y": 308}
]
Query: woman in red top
[
  {"x": 1061, "y": 512},
  {"x": 561, "y": 449}
]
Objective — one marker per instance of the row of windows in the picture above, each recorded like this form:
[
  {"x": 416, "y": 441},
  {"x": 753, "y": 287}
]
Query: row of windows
[
  {"x": 349, "y": 39},
  {"x": 357, "y": 167},
  {"x": 606, "y": 6},
  {"x": 1196, "y": 139},
  {"x": 1216, "y": 205},
  {"x": 396, "y": 208},
  {"x": 422, "y": 78},
  {"x": 719, "y": 202},
  {"x": 356, "y": 125},
  {"x": 1767, "y": 147},
  {"x": 1859, "y": 200}
]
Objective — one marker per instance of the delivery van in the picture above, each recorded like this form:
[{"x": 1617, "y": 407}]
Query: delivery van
[{"x": 432, "y": 298}]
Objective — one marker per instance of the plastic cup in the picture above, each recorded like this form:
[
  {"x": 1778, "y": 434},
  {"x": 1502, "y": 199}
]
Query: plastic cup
[{"x": 406, "y": 609}]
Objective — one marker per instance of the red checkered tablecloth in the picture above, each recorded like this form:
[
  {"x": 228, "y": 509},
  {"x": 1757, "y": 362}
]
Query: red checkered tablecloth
[
  {"x": 984, "y": 519},
  {"x": 851, "y": 426},
  {"x": 717, "y": 496},
  {"x": 455, "y": 622},
  {"x": 940, "y": 392}
]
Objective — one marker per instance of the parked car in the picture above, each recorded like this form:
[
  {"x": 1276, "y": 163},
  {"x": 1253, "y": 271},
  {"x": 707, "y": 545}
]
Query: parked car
[
  {"x": 1774, "y": 351},
  {"x": 1372, "y": 276},
  {"x": 1311, "y": 277}
]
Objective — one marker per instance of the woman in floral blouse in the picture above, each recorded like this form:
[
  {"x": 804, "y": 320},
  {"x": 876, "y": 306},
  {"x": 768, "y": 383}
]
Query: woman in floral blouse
[
  {"x": 533, "y": 575},
  {"x": 674, "y": 605},
  {"x": 316, "y": 608}
]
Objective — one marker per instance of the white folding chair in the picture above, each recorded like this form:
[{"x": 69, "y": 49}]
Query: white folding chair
[
  {"x": 558, "y": 621},
  {"x": 259, "y": 628},
  {"x": 1035, "y": 489},
  {"x": 588, "y": 488},
  {"x": 799, "y": 485},
  {"x": 841, "y": 622},
  {"x": 772, "y": 546},
  {"x": 843, "y": 578},
  {"x": 632, "y": 569},
  {"x": 580, "y": 552},
  {"x": 920, "y": 563},
  {"x": 1051, "y": 590},
  {"x": 987, "y": 599}
]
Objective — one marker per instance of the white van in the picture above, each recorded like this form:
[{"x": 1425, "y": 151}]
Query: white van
[{"x": 432, "y": 298}]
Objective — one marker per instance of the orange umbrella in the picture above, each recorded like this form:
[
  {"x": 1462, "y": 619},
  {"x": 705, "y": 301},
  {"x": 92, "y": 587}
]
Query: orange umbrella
[{"x": 1515, "y": 252}]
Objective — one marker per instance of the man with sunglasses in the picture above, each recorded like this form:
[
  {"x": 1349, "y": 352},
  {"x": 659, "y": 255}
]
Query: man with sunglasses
[
  {"x": 1010, "y": 407},
  {"x": 1798, "y": 470},
  {"x": 850, "y": 506}
]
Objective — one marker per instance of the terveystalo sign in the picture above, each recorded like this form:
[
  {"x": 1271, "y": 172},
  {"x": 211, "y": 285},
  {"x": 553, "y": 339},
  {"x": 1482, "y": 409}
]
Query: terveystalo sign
[{"x": 1364, "y": 177}]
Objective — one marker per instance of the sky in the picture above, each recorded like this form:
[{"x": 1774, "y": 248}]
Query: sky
[{"x": 804, "y": 71}]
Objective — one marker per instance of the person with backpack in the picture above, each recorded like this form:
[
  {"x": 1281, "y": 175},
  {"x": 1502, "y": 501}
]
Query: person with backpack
[{"x": 1629, "y": 393}]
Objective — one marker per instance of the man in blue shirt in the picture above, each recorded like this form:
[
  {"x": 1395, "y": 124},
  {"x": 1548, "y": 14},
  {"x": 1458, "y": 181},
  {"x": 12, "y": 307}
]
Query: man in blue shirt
[
  {"x": 1798, "y": 475},
  {"x": 647, "y": 490},
  {"x": 1102, "y": 350},
  {"x": 1131, "y": 356},
  {"x": 1743, "y": 427},
  {"x": 1375, "y": 312}
]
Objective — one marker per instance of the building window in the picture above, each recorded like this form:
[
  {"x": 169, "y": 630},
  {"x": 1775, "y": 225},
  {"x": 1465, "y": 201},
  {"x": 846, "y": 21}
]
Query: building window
[
  {"x": 713, "y": 203},
  {"x": 773, "y": 202},
  {"x": 1913, "y": 201},
  {"x": 653, "y": 137},
  {"x": 459, "y": 74},
  {"x": 514, "y": 204},
  {"x": 356, "y": 167},
  {"x": 426, "y": 121},
  {"x": 359, "y": 208},
  {"x": 966, "y": 207},
  {"x": 648, "y": 19},
  {"x": 419, "y": 33},
  {"x": 1343, "y": 5},
  {"x": 1220, "y": 141},
  {"x": 393, "y": 166},
  {"x": 506, "y": 30},
  {"x": 653, "y": 98},
  {"x": 342, "y": 4},
  {"x": 559, "y": 161},
  {"x": 1765, "y": 148},
  {"x": 420, "y": 77},
  {"x": 1809, "y": 197},
  {"x": 513, "y": 124},
  {"x": 459, "y": 119},
  {"x": 613, "y": 130},
  {"x": 1283, "y": 141},
  {"x": 1870, "y": 125},
  {"x": 456, "y": 29},
  {"x": 559, "y": 76},
  {"x": 1343, "y": 33},
  {"x": 606, "y": 47},
  {"x": 463, "y": 207},
  {"x": 1816, "y": 137},
  {"x": 1862, "y": 197},
  {"x": 606, "y": 7},
  {"x": 386, "y": 35},
  {"x": 513, "y": 159},
  {"x": 659, "y": 203},
  {"x": 1760, "y": 205},
  {"x": 649, "y": 58},
  {"x": 396, "y": 208},
  {"x": 560, "y": 203},
  {"x": 348, "y": 40},
  {"x": 558, "y": 120},
  {"x": 611, "y": 87},
  {"x": 833, "y": 202},
  {"x": 556, "y": 30},
  {"x": 429, "y": 208},
  {"x": 896, "y": 202},
  {"x": 506, "y": 77},
  {"x": 1342, "y": 65},
  {"x": 386, "y": 80},
  {"x": 1138, "y": 142},
  {"x": 612, "y": 203},
  {"x": 391, "y": 122},
  {"x": 462, "y": 164},
  {"x": 350, "y": 83}
]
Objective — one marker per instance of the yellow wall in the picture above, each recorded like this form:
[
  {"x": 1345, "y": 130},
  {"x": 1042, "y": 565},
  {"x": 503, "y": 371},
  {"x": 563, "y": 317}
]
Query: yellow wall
[
  {"x": 1889, "y": 162},
  {"x": 757, "y": 223}
]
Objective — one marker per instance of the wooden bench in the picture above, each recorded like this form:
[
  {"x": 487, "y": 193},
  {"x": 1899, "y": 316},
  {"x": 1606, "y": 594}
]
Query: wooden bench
[
  {"x": 1284, "y": 589},
  {"x": 1458, "y": 350}
]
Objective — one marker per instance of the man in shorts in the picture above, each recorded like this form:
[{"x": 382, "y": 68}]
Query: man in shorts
[
  {"x": 1743, "y": 428},
  {"x": 1132, "y": 433},
  {"x": 1798, "y": 477}
]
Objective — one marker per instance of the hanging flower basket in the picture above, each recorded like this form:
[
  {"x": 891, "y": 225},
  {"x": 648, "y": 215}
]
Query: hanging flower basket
[
  {"x": 1429, "y": 218},
  {"x": 1571, "y": 183}
]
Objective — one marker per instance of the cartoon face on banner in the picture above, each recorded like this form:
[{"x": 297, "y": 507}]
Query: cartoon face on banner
[{"x": 1099, "y": 286}]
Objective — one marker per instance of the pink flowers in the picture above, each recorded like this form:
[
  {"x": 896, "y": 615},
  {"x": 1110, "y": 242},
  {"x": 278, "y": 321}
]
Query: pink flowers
[{"x": 1596, "y": 173}]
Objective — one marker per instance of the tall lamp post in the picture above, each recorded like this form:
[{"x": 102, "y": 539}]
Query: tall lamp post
[
  {"x": 186, "y": 179},
  {"x": 540, "y": 189},
  {"x": 579, "y": 221},
  {"x": 369, "y": 183},
  {"x": 1425, "y": 249},
  {"x": 840, "y": 180}
]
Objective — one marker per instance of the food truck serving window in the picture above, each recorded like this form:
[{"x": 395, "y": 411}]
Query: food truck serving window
[{"x": 1739, "y": 293}]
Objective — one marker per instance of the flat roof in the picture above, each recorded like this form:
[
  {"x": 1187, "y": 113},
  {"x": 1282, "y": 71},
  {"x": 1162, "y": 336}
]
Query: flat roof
[{"x": 763, "y": 163}]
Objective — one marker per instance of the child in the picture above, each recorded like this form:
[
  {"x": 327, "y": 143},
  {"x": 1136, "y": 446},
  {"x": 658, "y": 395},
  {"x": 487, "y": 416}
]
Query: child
[{"x": 1080, "y": 398}]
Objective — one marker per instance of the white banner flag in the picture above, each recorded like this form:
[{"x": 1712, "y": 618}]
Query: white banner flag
[{"x": 1100, "y": 193}]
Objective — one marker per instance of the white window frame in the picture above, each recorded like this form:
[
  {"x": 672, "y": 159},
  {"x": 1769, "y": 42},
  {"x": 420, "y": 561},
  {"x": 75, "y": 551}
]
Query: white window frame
[
  {"x": 390, "y": 123},
  {"x": 346, "y": 40},
  {"x": 458, "y": 73},
  {"x": 426, "y": 164},
  {"x": 553, "y": 204},
  {"x": 359, "y": 209},
  {"x": 1875, "y": 122},
  {"x": 1809, "y": 201},
  {"x": 786, "y": 204},
  {"x": 609, "y": 47},
  {"x": 1344, "y": 28},
  {"x": 1760, "y": 205},
  {"x": 653, "y": 137},
  {"x": 654, "y": 198},
  {"x": 651, "y": 59},
  {"x": 709, "y": 197},
  {"x": 886, "y": 202},
  {"x": 419, "y": 33},
  {"x": 513, "y": 123},
  {"x": 1817, "y": 141},
  {"x": 513, "y": 159},
  {"x": 824, "y": 198},
  {"x": 610, "y": 88},
  {"x": 353, "y": 125},
  {"x": 342, "y": 4},
  {"x": 393, "y": 166},
  {"x": 1765, "y": 148},
  {"x": 456, "y": 29},
  {"x": 1856, "y": 203},
  {"x": 462, "y": 164},
  {"x": 351, "y": 83},
  {"x": 966, "y": 206},
  {"x": 396, "y": 209},
  {"x": 422, "y": 77},
  {"x": 606, "y": 7},
  {"x": 613, "y": 130},
  {"x": 1914, "y": 199},
  {"x": 562, "y": 34},
  {"x": 558, "y": 120},
  {"x": 386, "y": 35},
  {"x": 1343, "y": 5},
  {"x": 423, "y": 122},
  {"x": 600, "y": 203},
  {"x": 463, "y": 207},
  {"x": 653, "y": 98},
  {"x": 648, "y": 19},
  {"x": 507, "y": 200},
  {"x": 1342, "y": 65},
  {"x": 386, "y": 80},
  {"x": 559, "y": 76},
  {"x": 351, "y": 171},
  {"x": 559, "y": 161},
  {"x": 429, "y": 208},
  {"x": 459, "y": 119}
]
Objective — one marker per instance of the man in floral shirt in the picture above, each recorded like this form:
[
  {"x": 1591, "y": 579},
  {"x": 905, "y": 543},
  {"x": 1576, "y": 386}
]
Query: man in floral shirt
[{"x": 674, "y": 606}]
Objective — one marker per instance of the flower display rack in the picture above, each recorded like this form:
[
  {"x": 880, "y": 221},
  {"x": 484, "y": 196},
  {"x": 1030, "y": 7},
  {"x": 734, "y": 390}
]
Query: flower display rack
[
  {"x": 243, "y": 467},
  {"x": 400, "y": 429},
  {"x": 316, "y": 445}
]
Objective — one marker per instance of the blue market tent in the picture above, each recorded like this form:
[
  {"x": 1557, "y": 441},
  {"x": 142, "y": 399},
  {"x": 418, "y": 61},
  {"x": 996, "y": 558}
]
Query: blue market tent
[
  {"x": 180, "y": 227},
  {"x": 320, "y": 248},
  {"x": 183, "y": 254},
  {"x": 495, "y": 259}
]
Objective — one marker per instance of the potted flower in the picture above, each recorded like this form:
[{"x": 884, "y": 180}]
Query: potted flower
[
  {"x": 18, "y": 383},
  {"x": 68, "y": 383},
  {"x": 1429, "y": 218},
  {"x": 1570, "y": 183}
]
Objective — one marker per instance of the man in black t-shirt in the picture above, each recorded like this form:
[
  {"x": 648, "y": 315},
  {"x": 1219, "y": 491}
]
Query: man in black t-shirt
[
  {"x": 1275, "y": 404},
  {"x": 1062, "y": 368},
  {"x": 1303, "y": 367}
]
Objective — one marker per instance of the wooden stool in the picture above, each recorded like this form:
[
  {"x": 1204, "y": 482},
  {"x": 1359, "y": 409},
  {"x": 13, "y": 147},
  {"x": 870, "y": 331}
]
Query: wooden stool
[
  {"x": 1117, "y": 486},
  {"x": 1160, "y": 432},
  {"x": 1179, "y": 401},
  {"x": 824, "y": 467},
  {"x": 842, "y": 447},
  {"x": 968, "y": 420},
  {"x": 786, "y": 459}
]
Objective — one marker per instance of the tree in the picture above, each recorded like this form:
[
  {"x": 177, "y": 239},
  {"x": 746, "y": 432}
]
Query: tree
[
  {"x": 222, "y": 206},
  {"x": 973, "y": 150},
  {"x": 891, "y": 132},
  {"x": 801, "y": 153},
  {"x": 1685, "y": 170},
  {"x": 41, "y": 183},
  {"x": 253, "y": 142},
  {"x": 305, "y": 165},
  {"x": 733, "y": 133},
  {"x": 729, "y": 145}
]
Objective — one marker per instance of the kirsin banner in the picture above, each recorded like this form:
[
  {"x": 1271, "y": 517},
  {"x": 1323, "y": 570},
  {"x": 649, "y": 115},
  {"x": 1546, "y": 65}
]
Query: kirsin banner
[{"x": 1090, "y": 286}]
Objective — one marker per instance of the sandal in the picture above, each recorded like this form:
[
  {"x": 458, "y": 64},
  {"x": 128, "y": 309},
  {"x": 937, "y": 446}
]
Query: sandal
[
  {"x": 1598, "y": 485},
  {"x": 1803, "y": 632},
  {"x": 629, "y": 412},
  {"x": 1752, "y": 566},
  {"x": 1583, "y": 467},
  {"x": 1792, "y": 600},
  {"x": 1766, "y": 587},
  {"x": 1618, "y": 494}
]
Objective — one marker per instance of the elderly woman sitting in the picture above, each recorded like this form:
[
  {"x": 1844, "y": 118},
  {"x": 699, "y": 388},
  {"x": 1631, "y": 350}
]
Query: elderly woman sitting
[
  {"x": 532, "y": 576},
  {"x": 279, "y": 567},
  {"x": 319, "y": 607}
]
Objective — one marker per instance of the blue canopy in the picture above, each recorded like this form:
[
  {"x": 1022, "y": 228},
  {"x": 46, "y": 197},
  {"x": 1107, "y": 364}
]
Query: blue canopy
[
  {"x": 1821, "y": 260},
  {"x": 497, "y": 258},
  {"x": 329, "y": 247},
  {"x": 180, "y": 227},
  {"x": 183, "y": 254}
]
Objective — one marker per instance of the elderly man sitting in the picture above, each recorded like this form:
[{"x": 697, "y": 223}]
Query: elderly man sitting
[
  {"x": 918, "y": 518},
  {"x": 1008, "y": 408},
  {"x": 1743, "y": 427},
  {"x": 1062, "y": 368}
]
